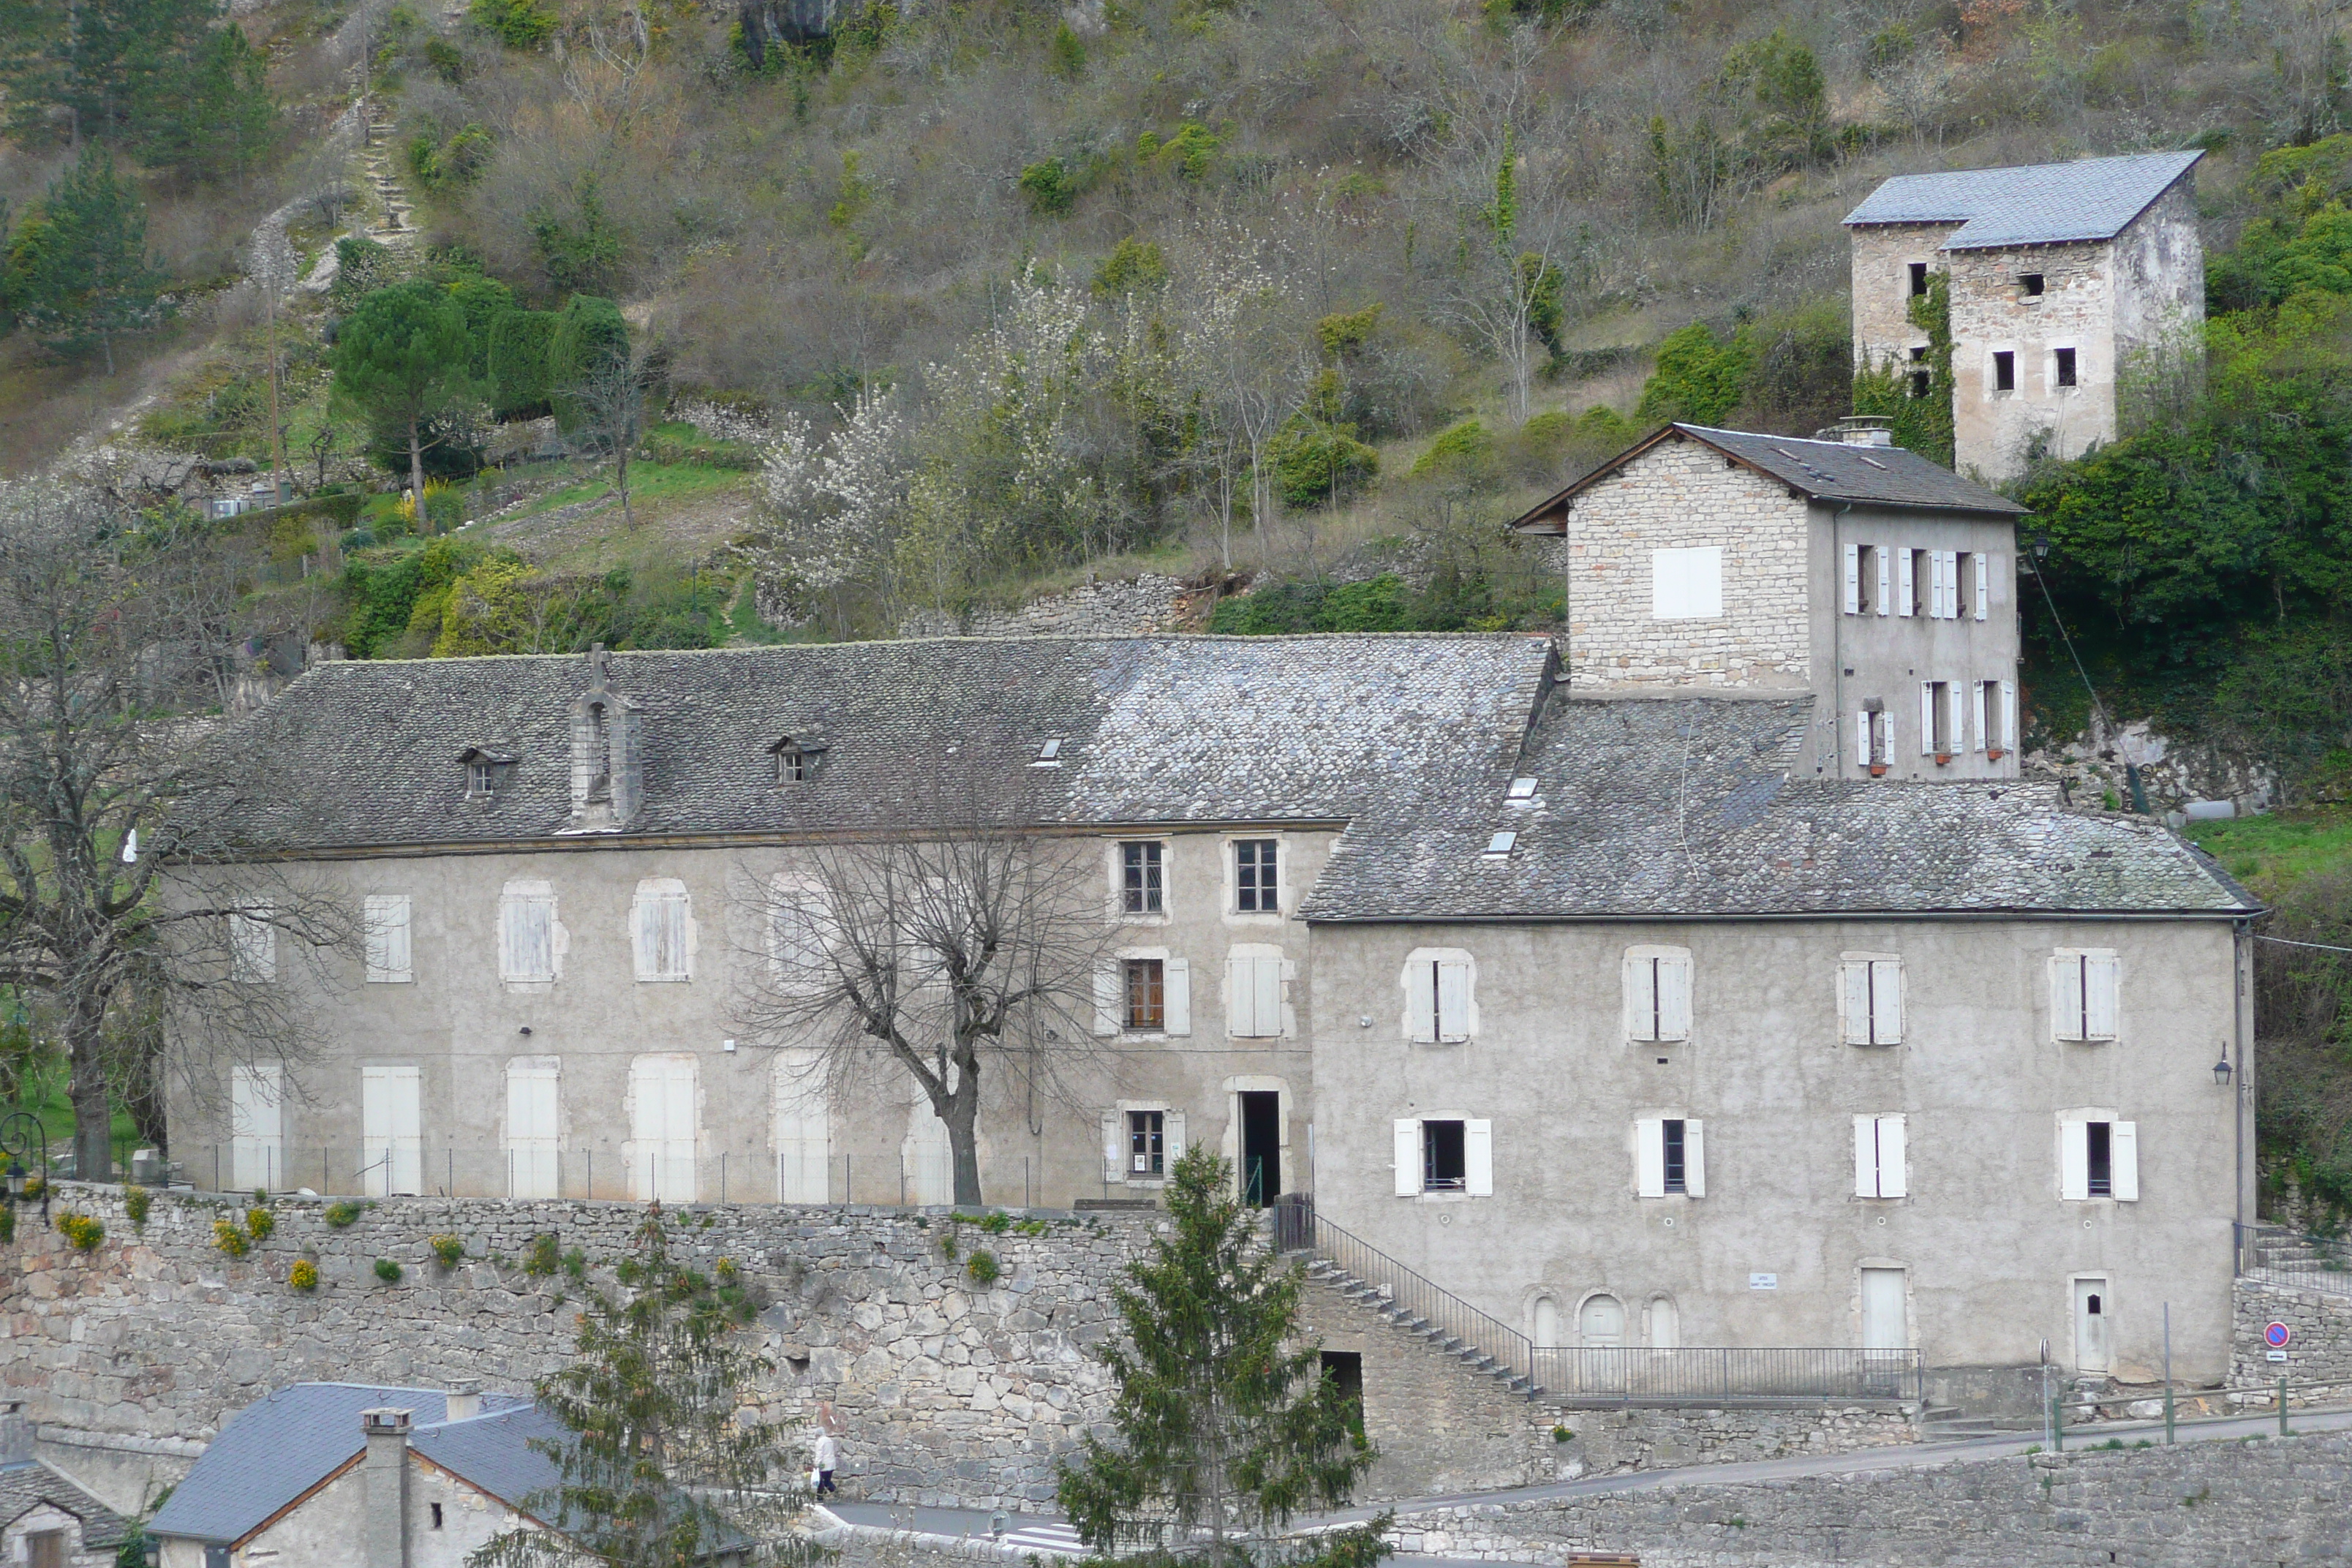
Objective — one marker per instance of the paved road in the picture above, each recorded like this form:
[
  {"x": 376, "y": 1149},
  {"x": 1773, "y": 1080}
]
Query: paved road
[{"x": 1048, "y": 1534}]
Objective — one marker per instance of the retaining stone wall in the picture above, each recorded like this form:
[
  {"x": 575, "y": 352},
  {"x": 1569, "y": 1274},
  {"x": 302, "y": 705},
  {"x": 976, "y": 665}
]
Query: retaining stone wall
[
  {"x": 1149, "y": 603},
  {"x": 2320, "y": 1348},
  {"x": 943, "y": 1390},
  {"x": 2189, "y": 1507}
]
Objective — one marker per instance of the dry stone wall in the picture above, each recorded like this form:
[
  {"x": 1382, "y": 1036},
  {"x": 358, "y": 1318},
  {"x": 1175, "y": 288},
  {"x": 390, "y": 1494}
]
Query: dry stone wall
[
  {"x": 2280, "y": 1501},
  {"x": 2319, "y": 1344},
  {"x": 1148, "y": 603}
]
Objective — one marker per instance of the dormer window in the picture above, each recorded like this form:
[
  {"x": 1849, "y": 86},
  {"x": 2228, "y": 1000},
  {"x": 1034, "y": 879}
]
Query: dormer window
[
  {"x": 485, "y": 770},
  {"x": 797, "y": 758}
]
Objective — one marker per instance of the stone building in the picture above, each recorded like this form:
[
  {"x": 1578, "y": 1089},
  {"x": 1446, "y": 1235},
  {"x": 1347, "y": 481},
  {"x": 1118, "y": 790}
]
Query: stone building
[
  {"x": 2061, "y": 275},
  {"x": 366, "y": 1476},
  {"x": 47, "y": 1519},
  {"x": 1849, "y": 569}
]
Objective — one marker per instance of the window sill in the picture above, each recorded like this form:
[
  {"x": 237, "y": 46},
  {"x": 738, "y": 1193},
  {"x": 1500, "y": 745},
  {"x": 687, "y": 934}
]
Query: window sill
[
  {"x": 1445, "y": 1196},
  {"x": 1138, "y": 918},
  {"x": 665, "y": 979}
]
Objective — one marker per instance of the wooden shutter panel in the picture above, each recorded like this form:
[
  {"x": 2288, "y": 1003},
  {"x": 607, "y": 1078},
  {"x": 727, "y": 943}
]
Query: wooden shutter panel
[
  {"x": 2075, "y": 1159},
  {"x": 2101, "y": 973},
  {"x": 1674, "y": 997},
  {"x": 1905, "y": 583},
  {"x": 1693, "y": 1158},
  {"x": 1882, "y": 553},
  {"x": 1865, "y": 1156},
  {"x": 1171, "y": 1137},
  {"x": 1853, "y": 579},
  {"x": 1114, "y": 1145},
  {"x": 1926, "y": 717},
  {"x": 1886, "y": 1001},
  {"x": 1983, "y": 736},
  {"x": 1893, "y": 1177},
  {"x": 1453, "y": 1000},
  {"x": 1176, "y": 990},
  {"x": 645, "y": 938},
  {"x": 1265, "y": 987},
  {"x": 1478, "y": 1159},
  {"x": 1408, "y": 1158},
  {"x": 1241, "y": 997},
  {"x": 1650, "y": 1156},
  {"x": 1421, "y": 1001},
  {"x": 1109, "y": 1002},
  {"x": 2067, "y": 996},
  {"x": 2009, "y": 715},
  {"x": 387, "y": 919},
  {"x": 1853, "y": 1000},
  {"x": 1984, "y": 577},
  {"x": 1862, "y": 738},
  {"x": 2123, "y": 1160}
]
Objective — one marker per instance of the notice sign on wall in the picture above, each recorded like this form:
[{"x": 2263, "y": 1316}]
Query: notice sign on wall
[{"x": 1763, "y": 1281}]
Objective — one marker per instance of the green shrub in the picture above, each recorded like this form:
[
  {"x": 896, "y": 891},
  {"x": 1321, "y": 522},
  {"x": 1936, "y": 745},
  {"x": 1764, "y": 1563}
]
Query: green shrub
[
  {"x": 387, "y": 1270},
  {"x": 1052, "y": 187},
  {"x": 230, "y": 1238},
  {"x": 303, "y": 1276},
  {"x": 1066, "y": 56},
  {"x": 449, "y": 1249},
  {"x": 982, "y": 1268},
  {"x": 1379, "y": 605},
  {"x": 997, "y": 1223},
  {"x": 84, "y": 1232},
  {"x": 340, "y": 1214},
  {"x": 1461, "y": 452},
  {"x": 1562, "y": 1435},
  {"x": 542, "y": 1259},
  {"x": 517, "y": 24},
  {"x": 136, "y": 1202},
  {"x": 575, "y": 1264},
  {"x": 948, "y": 1245},
  {"x": 445, "y": 62},
  {"x": 260, "y": 1222}
]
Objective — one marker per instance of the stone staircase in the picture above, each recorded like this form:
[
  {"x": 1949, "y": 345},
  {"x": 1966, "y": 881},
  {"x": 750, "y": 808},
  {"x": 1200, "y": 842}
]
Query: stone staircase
[
  {"x": 2286, "y": 1255},
  {"x": 1380, "y": 1302}
]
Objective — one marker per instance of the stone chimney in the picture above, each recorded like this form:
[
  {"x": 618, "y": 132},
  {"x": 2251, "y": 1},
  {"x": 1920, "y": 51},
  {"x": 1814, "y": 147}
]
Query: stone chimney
[
  {"x": 464, "y": 1400},
  {"x": 15, "y": 1434},
  {"x": 607, "y": 753},
  {"x": 383, "y": 1520},
  {"x": 1860, "y": 430}
]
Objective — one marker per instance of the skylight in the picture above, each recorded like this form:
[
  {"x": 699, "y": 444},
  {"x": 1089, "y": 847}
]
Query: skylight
[
  {"x": 1049, "y": 755},
  {"x": 1522, "y": 788},
  {"x": 1501, "y": 844}
]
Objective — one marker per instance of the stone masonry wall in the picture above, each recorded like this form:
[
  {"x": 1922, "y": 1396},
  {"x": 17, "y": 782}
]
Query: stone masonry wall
[
  {"x": 2194, "y": 1506},
  {"x": 1680, "y": 495},
  {"x": 1148, "y": 603},
  {"x": 2319, "y": 1349},
  {"x": 940, "y": 1389}
]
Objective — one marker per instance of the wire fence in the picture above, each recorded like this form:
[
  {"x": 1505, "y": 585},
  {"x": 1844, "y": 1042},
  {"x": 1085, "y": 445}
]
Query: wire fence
[
  {"x": 2306, "y": 1262},
  {"x": 607, "y": 1172}
]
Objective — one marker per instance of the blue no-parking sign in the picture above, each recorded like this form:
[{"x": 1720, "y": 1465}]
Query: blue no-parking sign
[{"x": 2277, "y": 1335}]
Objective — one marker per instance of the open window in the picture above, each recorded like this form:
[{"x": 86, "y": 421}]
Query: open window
[
  {"x": 1881, "y": 1163},
  {"x": 486, "y": 771},
  {"x": 2098, "y": 1157},
  {"x": 1444, "y": 1155},
  {"x": 1669, "y": 1157},
  {"x": 798, "y": 758}
]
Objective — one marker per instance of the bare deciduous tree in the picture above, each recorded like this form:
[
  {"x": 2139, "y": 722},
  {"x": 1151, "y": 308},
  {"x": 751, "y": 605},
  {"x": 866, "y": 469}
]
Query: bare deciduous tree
[
  {"x": 126, "y": 880},
  {"x": 947, "y": 957}
]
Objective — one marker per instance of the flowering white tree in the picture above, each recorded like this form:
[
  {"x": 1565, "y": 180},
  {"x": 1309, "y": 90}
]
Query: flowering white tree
[
  {"x": 836, "y": 505},
  {"x": 1241, "y": 352}
]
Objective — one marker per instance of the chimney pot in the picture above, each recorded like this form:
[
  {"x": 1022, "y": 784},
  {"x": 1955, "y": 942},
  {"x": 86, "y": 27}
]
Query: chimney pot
[{"x": 464, "y": 1399}]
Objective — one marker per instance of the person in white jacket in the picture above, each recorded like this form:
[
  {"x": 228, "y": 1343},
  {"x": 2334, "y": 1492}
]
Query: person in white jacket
[{"x": 828, "y": 1458}]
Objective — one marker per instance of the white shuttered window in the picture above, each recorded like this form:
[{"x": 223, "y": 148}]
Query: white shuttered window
[
  {"x": 533, "y": 1137},
  {"x": 1906, "y": 584},
  {"x": 1870, "y": 998},
  {"x": 252, "y": 946},
  {"x": 2083, "y": 994},
  {"x": 658, "y": 920},
  {"x": 1881, "y": 1169},
  {"x": 1254, "y": 994},
  {"x": 2098, "y": 1157},
  {"x": 1441, "y": 1002},
  {"x": 527, "y": 931},
  {"x": 1657, "y": 993},
  {"x": 386, "y": 917},
  {"x": 1669, "y": 1157},
  {"x": 1984, "y": 580}
]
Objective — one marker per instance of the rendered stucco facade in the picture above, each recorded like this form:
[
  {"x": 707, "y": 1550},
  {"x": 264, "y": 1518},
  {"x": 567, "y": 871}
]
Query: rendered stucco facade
[{"x": 1771, "y": 1252}]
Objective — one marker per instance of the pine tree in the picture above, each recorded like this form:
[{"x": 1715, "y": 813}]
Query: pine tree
[
  {"x": 402, "y": 358},
  {"x": 79, "y": 274},
  {"x": 1227, "y": 1426},
  {"x": 204, "y": 112},
  {"x": 657, "y": 1471}
]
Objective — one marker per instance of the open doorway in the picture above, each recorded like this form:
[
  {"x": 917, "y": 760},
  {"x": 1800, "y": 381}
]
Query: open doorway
[
  {"x": 1345, "y": 1369},
  {"x": 1261, "y": 1172}
]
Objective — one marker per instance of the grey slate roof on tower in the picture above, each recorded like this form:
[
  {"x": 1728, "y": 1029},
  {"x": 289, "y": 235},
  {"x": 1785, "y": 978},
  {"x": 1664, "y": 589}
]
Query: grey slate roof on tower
[
  {"x": 1662, "y": 807},
  {"x": 1151, "y": 729},
  {"x": 1822, "y": 470},
  {"x": 279, "y": 1446},
  {"x": 28, "y": 1483},
  {"x": 2035, "y": 204}
]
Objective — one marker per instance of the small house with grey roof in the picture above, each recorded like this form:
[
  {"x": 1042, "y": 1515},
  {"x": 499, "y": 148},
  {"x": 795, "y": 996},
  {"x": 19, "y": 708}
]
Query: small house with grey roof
[
  {"x": 345, "y": 1475},
  {"x": 1613, "y": 1006},
  {"x": 1880, "y": 584},
  {"x": 46, "y": 1519},
  {"x": 2059, "y": 274}
]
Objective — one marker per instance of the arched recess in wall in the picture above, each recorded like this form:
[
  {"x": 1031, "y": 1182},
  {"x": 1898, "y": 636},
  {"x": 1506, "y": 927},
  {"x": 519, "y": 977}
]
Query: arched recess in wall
[
  {"x": 1545, "y": 1324},
  {"x": 1601, "y": 1321},
  {"x": 1665, "y": 1328}
]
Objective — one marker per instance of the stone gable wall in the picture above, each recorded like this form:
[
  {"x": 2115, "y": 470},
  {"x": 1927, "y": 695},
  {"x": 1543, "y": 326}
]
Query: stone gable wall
[
  {"x": 1680, "y": 495},
  {"x": 2193, "y": 1506}
]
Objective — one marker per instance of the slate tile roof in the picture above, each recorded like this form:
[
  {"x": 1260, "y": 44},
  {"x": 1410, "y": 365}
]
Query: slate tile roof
[
  {"x": 281, "y": 1446},
  {"x": 1666, "y": 807},
  {"x": 28, "y": 1483},
  {"x": 493, "y": 1451},
  {"x": 2038, "y": 204},
  {"x": 1154, "y": 730},
  {"x": 1822, "y": 470}
]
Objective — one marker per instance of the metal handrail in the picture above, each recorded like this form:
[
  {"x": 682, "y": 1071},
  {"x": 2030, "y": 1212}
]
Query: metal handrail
[
  {"x": 1609, "y": 1373},
  {"x": 1416, "y": 1298}
]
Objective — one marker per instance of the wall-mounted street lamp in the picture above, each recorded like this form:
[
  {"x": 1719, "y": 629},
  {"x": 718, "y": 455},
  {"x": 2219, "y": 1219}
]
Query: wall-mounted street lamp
[{"x": 2222, "y": 1069}]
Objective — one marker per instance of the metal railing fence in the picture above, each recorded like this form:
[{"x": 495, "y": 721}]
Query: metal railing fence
[
  {"x": 1679, "y": 1375},
  {"x": 2305, "y": 1262}
]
